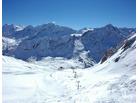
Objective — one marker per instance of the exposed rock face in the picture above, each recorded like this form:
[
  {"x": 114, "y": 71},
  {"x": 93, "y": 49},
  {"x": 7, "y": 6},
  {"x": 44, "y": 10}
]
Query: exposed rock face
[
  {"x": 125, "y": 45},
  {"x": 128, "y": 43},
  {"x": 108, "y": 54},
  {"x": 100, "y": 40}
]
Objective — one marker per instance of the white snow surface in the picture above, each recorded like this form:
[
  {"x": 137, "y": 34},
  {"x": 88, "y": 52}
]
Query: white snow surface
[
  {"x": 76, "y": 35},
  {"x": 80, "y": 53},
  {"x": 87, "y": 29},
  {"x": 18, "y": 28},
  {"x": 9, "y": 43},
  {"x": 45, "y": 82}
]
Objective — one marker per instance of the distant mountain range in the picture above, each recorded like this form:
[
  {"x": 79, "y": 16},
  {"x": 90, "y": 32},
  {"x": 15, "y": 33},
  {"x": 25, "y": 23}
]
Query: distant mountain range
[{"x": 87, "y": 45}]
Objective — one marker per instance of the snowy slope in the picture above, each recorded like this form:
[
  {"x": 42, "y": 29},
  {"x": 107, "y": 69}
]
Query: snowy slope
[
  {"x": 80, "y": 54},
  {"x": 22, "y": 81},
  {"x": 46, "y": 82}
]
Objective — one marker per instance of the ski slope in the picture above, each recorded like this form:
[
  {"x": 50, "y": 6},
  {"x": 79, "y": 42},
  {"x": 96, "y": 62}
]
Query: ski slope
[{"x": 45, "y": 82}]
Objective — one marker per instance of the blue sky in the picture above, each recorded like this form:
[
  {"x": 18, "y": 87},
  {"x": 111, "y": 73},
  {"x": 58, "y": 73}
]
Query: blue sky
[{"x": 73, "y": 13}]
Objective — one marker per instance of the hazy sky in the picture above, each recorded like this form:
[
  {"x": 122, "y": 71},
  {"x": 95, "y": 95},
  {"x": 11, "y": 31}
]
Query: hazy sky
[{"x": 73, "y": 13}]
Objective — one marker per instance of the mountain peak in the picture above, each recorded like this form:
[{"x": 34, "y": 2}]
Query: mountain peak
[
  {"x": 51, "y": 23},
  {"x": 109, "y": 25}
]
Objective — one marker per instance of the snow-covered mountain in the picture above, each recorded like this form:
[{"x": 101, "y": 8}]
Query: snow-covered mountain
[
  {"x": 59, "y": 41},
  {"x": 101, "y": 39},
  {"x": 60, "y": 80},
  {"x": 43, "y": 30}
]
